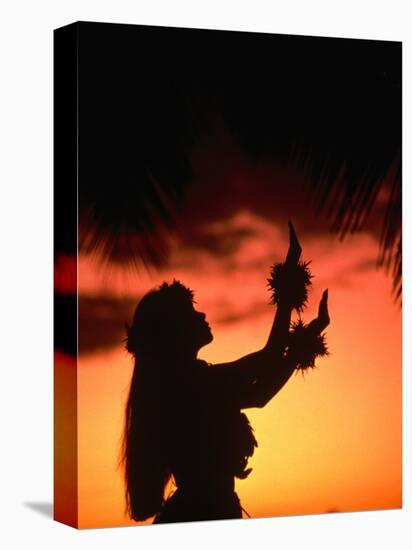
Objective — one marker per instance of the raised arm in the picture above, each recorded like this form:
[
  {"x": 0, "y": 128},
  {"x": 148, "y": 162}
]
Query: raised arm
[
  {"x": 270, "y": 380},
  {"x": 278, "y": 335},
  {"x": 254, "y": 379}
]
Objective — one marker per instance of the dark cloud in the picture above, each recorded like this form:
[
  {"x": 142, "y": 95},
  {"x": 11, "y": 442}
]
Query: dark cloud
[
  {"x": 362, "y": 266},
  {"x": 230, "y": 315},
  {"x": 102, "y": 321},
  {"x": 221, "y": 240}
]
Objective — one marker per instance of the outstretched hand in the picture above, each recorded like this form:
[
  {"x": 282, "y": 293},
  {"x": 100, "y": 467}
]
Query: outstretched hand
[
  {"x": 295, "y": 250},
  {"x": 323, "y": 313},
  {"x": 322, "y": 320}
]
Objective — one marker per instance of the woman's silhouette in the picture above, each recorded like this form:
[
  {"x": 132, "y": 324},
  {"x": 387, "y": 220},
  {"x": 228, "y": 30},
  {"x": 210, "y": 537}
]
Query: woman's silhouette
[{"x": 183, "y": 417}]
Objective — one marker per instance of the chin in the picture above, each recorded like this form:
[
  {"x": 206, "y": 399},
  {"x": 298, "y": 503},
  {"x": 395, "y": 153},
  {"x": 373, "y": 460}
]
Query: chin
[{"x": 208, "y": 338}]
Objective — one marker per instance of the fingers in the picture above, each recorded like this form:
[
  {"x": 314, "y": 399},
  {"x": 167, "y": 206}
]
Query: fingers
[
  {"x": 295, "y": 249},
  {"x": 323, "y": 315},
  {"x": 293, "y": 239},
  {"x": 320, "y": 322},
  {"x": 324, "y": 300}
]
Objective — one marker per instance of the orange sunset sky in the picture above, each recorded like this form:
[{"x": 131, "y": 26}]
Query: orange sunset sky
[{"x": 329, "y": 441}]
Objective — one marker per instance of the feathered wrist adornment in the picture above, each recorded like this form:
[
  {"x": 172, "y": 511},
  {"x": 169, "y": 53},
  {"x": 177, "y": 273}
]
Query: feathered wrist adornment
[
  {"x": 289, "y": 284},
  {"x": 305, "y": 345}
]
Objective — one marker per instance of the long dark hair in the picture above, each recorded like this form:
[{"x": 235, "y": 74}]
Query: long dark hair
[{"x": 151, "y": 339}]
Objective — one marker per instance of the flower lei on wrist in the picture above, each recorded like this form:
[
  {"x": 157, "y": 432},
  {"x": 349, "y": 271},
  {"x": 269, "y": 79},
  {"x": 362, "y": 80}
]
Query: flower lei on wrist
[
  {"x": 305, "y": 345},
  {"x": 289, "y": 284}
]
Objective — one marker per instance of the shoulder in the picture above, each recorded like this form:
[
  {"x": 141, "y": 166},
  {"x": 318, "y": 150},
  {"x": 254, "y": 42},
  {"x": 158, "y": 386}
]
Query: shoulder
[{"x": 216, "y": 380}]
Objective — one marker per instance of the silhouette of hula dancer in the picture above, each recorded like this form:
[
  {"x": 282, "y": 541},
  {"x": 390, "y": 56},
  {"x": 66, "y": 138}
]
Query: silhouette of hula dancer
[{"x": 183, "y": 417}]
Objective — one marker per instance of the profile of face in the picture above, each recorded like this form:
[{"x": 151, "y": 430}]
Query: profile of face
[
  {"x": 193, "y": 327},
  {"x": 166, "y": 321}
]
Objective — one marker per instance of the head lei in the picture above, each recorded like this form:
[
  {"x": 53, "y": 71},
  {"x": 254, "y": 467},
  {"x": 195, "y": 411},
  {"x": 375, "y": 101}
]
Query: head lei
[{"x": 151, "y": 308}]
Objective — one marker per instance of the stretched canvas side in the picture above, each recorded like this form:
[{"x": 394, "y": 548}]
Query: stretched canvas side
[{"x": 65, "y": 276}]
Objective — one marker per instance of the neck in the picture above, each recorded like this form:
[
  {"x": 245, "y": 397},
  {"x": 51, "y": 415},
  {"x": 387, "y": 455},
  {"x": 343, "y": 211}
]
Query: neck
[{"x": 186, "y": 357}]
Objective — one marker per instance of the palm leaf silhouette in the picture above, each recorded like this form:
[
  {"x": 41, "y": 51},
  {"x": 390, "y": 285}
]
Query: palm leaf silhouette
[{"x": 328, "y": 106}]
